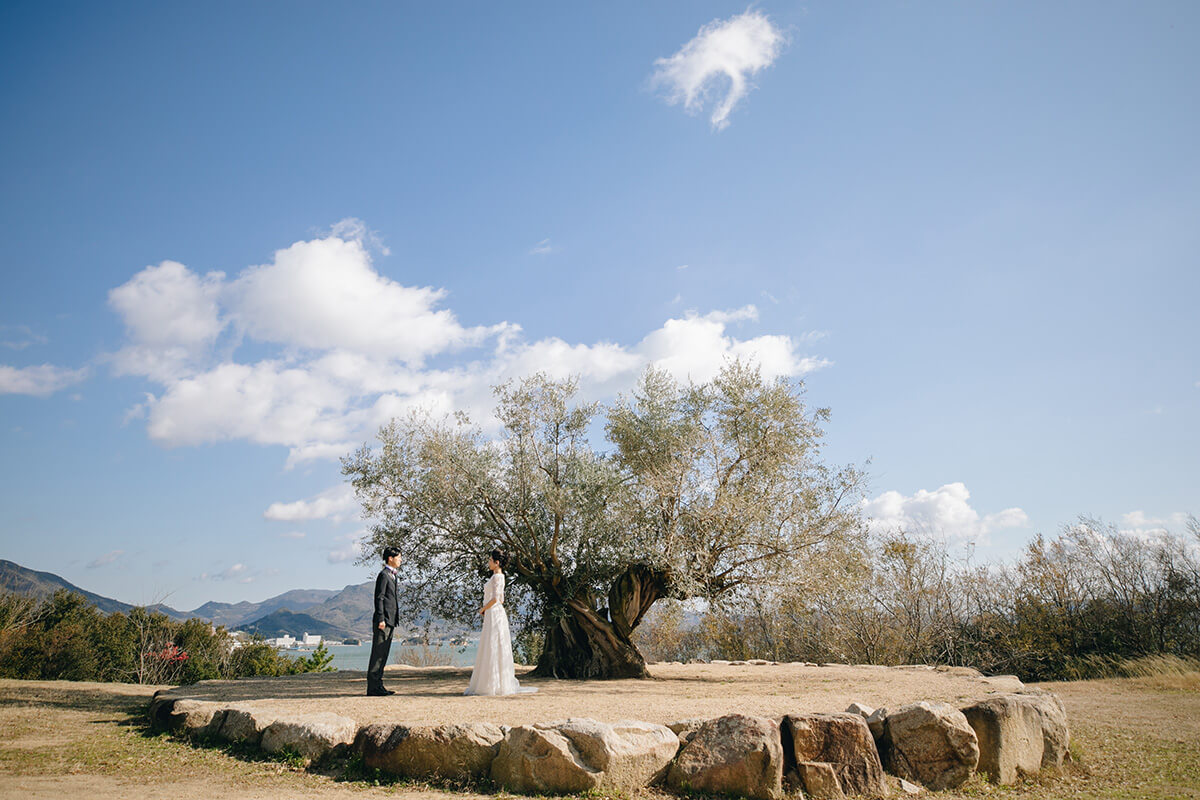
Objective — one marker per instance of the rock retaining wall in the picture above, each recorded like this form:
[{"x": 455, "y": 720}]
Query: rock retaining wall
[{"x": 936, "y": 745}]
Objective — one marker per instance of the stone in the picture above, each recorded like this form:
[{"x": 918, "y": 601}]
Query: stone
[
  {"x": 457, "y": 752},
  {"x": 759, "y": 662},
  {"x": 844, "y": 742},
  {"x": 820, "y": 780},
  {"x": 245, "y": 725},
  {"x": 1056, "y": 736},
  {"x": 965, "y": 672},
  {"x": 875, "y": 722},
  {"x": 909, "y": 788},
  {"x": 310, "y": 736},
  {"x": 930, "y": 743},
  {"x": 200, "y": 718},
  {"x": 578, "y": 755},
  {"x": 860, "y": 709},
  {"x": 735, "y": 754},
  {"x": 686, "y": 728},
  {"x": 1009, "y": 731}
]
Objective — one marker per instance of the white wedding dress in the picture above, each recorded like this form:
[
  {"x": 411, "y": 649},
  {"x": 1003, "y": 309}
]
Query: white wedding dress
[{"x": 493, "y": 672}]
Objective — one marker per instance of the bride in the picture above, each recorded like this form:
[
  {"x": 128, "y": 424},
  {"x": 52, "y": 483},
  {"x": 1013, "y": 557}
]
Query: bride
[{"x": 493, "y": 672}]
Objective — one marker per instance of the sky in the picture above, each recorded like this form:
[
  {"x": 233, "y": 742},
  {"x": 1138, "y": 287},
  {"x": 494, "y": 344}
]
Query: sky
[{"x": 237, "y": 238}]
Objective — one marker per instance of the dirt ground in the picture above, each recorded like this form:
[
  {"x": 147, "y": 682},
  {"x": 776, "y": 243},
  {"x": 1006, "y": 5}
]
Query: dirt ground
[
  {"x": 1132, "y": 738},
  {"x": 433, "y": 695}
]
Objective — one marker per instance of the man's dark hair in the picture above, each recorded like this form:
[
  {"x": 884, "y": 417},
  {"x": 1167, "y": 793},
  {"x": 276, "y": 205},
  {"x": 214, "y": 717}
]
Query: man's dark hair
[{"x": 388, "y": 552}]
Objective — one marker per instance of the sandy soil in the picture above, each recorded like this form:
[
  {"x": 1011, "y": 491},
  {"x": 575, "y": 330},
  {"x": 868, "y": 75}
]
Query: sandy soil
[{"x": 435, "y": 694}]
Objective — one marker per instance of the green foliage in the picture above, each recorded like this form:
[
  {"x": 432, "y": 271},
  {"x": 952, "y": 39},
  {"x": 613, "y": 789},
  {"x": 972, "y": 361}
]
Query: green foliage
[
  {"x": 319, "y": 660},
  {"x": 708, "y": 491},
  {"x": 66, "y": 638}
]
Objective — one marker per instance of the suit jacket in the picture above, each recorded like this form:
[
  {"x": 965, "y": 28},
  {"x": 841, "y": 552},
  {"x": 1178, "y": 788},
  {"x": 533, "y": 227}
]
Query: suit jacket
[{"x": 387, "y": 601}]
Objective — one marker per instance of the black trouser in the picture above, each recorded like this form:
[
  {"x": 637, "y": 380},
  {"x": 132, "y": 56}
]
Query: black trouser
[{"x": 381, "y": 644}]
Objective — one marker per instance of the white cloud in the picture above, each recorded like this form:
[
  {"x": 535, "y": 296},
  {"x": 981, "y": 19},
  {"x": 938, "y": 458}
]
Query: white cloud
[
  {"x": 239, "y": 573},
  {"x": 40, "y": 381},
  {"x": 1140, "y": 525},
  {"x": 350, "y": 550},
  {"x": 292, "y": 535},
  {"x": 325, "y": 294},
  {"x": 172, "y": 318},
  {"x": 20, "y": 336},
  {"x": 542, "y": 248},
  {"x": 722, "y": 56},
  {"x": 333, "y": 503},
  {"x": 105, "y": 559},
  {"x": 341, "y": 349},
  {"x": 943, "y": 512}
]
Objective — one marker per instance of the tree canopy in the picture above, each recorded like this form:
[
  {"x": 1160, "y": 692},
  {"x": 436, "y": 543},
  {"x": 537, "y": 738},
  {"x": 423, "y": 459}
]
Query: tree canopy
[{"x": 705, "y": 490}]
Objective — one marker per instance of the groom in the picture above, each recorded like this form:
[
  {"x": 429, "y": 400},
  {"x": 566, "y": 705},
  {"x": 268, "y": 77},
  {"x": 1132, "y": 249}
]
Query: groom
[{"x": 384, "y": 621}]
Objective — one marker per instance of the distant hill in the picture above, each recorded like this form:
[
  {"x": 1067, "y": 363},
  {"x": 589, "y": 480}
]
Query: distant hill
[
  {"x": 234, "y": 615},
  {"x": 350, "y": 609},
  {"x": 344, "y": 613},
  {"x": 281, "y": 622},
  {"x": 31, "y": 583}
]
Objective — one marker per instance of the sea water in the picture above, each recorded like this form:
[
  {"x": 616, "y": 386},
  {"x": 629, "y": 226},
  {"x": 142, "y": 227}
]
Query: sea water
[{"x": 356, "y": 656}]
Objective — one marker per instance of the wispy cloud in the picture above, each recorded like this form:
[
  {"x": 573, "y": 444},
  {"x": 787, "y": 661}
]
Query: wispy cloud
[
  {"x": 292, "y": 535},
  {"x": 720, "y": 59},
  {"x": 40, "y": 381},
  {"x": 239, "y": 573},
  {"x": 350, "y": 550},
  {"x": 105, "y": 559},
  {"x": 18, "y": 337},
  {"x": 542, "y": 248}
]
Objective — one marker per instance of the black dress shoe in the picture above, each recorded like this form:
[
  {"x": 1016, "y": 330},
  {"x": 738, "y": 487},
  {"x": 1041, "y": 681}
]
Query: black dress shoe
[{"x": 380, "y": 693}]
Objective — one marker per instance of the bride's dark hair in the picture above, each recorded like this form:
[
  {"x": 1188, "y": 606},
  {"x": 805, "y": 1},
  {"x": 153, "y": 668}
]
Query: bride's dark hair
[{"x": 500, "y": 558}]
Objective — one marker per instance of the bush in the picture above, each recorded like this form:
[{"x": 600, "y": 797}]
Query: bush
[{"x": 67, "y": 638}]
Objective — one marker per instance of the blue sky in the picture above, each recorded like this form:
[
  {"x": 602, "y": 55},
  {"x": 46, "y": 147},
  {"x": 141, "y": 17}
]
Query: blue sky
[{"x": 238, "y": 236}]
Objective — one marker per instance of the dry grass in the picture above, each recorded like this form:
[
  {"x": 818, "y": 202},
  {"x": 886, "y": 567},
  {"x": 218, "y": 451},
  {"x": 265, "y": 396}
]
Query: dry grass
[{"x": 423, "y": 655}]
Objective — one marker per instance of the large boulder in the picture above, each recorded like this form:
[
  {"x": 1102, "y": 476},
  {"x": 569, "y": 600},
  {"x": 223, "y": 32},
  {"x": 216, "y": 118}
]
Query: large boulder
[
  {"x": 431, "y": 751},
  {"x": 931, "y": 743},
  {"x": 199, "y": 718},
  {"x": 1009, "y": 730},
  {"x": 309, "y": 736},
  {"x": 1056, "y": 736},
  {"x": 875, "y": 722},
  {"x": 735, "y": 754},
  {"x": 578, "y": 755},
  {"x": 841, "y": 740},
  {"x": 820, "y": 781},
  {"x": 685, "y": 729},
  {"x": 245, "y": 725}
]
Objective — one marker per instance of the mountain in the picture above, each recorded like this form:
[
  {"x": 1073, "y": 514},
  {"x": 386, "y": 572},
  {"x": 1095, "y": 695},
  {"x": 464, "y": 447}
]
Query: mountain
[
  {"x": 234, "y": 615},
  {"x": 342, "y": 613},
  {"x": 281, "y": 622},
  {"x": 24, "y": 581},
  {"x": 350, "y": 609}
]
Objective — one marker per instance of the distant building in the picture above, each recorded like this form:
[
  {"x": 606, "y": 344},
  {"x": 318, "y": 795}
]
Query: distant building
[
  {"x": 309, "y": 640},
  {"x": 284, "y": 642}
]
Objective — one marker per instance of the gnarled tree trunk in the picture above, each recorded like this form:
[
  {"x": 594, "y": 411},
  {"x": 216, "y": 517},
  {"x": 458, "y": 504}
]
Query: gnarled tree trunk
[{"x": 586, "y": 643}]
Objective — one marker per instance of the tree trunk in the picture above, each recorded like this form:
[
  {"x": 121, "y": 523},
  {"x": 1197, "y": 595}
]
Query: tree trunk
[{"x": 598, "y": 644}]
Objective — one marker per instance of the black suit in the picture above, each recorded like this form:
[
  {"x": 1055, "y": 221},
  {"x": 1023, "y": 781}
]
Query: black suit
[{"x": 387, "y": 611}]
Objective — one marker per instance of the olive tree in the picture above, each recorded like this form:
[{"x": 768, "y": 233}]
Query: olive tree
[{"x": 706, "y": 490}]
